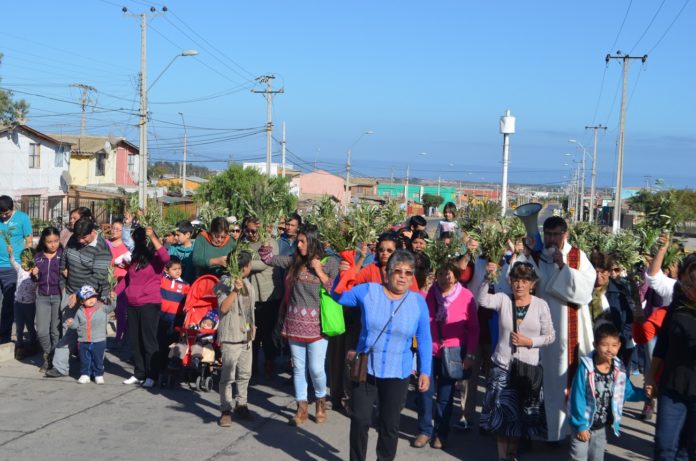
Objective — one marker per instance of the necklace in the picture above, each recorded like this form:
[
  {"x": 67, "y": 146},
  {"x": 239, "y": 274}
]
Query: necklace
[{"x": 521, "y": 312}]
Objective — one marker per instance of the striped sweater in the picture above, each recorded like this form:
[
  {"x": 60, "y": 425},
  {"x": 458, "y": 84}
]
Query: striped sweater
[
  {"x": 173, "y": 294},
  {"x": 86, "y": 265}
]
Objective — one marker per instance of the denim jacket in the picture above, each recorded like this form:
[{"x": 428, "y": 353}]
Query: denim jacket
[{"x": 583, "y": 403}]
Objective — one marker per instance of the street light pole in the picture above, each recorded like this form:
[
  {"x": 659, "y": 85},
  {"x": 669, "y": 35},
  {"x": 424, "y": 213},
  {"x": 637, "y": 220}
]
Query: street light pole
[
  {"x": 594, "y": 169},
  {"x": 183, "y": 168},
  {"x": 142, "y": 149},
  {"x": 507, "y": 127},
  {"x": 348, "y": 155}
]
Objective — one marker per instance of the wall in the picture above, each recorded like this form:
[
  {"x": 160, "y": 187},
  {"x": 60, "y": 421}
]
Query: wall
[
  {"x": 123, "y": 176},
  {"x": 321, "y": 183},
  {"x": 83, "y": 169}
]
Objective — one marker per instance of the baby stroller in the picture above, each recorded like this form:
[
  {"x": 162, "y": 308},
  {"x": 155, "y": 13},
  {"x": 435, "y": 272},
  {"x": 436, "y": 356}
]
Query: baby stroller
[{"x": 195, "y": 358}]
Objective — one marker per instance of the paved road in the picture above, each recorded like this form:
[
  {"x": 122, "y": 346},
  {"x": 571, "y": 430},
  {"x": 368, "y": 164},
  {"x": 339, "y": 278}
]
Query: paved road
[{"x": 60, "y": 419}]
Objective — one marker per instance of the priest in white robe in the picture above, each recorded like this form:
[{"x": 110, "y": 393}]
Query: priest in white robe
[{"x": 566, "y": 276}]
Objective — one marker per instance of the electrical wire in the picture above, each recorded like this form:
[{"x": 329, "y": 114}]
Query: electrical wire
[
  {"x": 681, "y": 10},
  {"x": 621, "y": 27},
  {"x": 648, "y": 26}
]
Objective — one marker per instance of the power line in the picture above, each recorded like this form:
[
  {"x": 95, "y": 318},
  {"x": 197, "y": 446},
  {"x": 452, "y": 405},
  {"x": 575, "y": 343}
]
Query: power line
[
  {"x": 648, "y": 26},
  {"x": 681, "y": 10},
  {"x": 621, "y": 27}
]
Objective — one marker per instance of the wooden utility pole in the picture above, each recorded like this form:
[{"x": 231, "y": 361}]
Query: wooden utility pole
[{"x": 84, "y": 101}]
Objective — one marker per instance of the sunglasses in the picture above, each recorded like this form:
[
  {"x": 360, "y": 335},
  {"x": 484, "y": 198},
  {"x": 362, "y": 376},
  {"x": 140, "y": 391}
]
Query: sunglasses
[
  {"x": 236, "y": 231},
  {"x": 385, "y": 250},
  {"x": 616, "y": 269},
  {"x": 402, "y": 272},
  {"x": 251, "y": 231}
]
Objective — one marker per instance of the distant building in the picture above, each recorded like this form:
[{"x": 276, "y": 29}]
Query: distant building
[
  {"x": 317, "y": 184},
  {"x": 416, "y": 192},
  {"x": 276, "y": 168},
  {"x": 192, "y": 182}
]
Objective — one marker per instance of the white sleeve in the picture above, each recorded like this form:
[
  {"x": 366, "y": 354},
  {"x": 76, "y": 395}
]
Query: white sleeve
[{"x": 661, "y": 284}]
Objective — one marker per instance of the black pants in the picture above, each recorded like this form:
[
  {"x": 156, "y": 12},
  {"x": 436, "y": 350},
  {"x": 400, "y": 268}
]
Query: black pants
[
  {"x": 339, "y": 381},
  {"x": 8, "y": 284},
  {"x": 391, "y": 397},
  {"x": 142, "y": 339},
  {"x": 266, "y": 316},
  {"x": 166, "y": 335}
]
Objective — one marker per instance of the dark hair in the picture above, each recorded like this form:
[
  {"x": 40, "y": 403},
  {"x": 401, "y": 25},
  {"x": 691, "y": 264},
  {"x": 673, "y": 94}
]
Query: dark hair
[
  {"x": 451, "y": 265},
  {"x": 218, "y": 225},
  {"x": 83, "y": 211},
  {"x": 250, "y": 219},
  {"x": 403, "y": 242},
  {"x": 142, "y": 252},
  {"x": 417, "y": 220},
  {"x": 315, "y": 249},
  {"x": 422, "y": 267},
  {"x": 687, "y": 268},
  {"x": 295, "y": 217},
  {"x": 604, "y": 330},
  {"x": 446, "y": 235},
  {"x": 523, "y": 271},
  {"x": 388, "y": 237},
  {"x": 451, "y": 207},
  {"x": 47, "y": 232},
  {"x": 173, "y": 260},
  {"x": 243, "y": 259},
  {"x": 184, "y": 226},
  {"x": 83, "y": 226},
  {"x": 117, "y": 221},
  {"x": 423, "y": 235},
  {"x": 554, "y": 222},
  {"x": 6, "y": 203},
  {"x": 601, "y": 260}
]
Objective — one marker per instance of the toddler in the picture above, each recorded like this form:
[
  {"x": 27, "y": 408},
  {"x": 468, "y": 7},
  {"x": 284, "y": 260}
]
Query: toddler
[{"x": 25, "y": 301}]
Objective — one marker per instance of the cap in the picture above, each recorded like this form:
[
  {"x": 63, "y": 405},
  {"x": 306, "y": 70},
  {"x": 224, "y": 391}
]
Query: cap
[{"x": 87, "y": 292}]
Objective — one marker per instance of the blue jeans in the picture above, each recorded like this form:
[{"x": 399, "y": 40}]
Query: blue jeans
[
  {"x": 24, "y": 315},
  {"x": 312, "y": 357},
  {"x": 92, "y": 358},
  {"x": 8, "y": 284},
  {"x": 675, "y": 427},
  {"x": 443, "y": 404}
]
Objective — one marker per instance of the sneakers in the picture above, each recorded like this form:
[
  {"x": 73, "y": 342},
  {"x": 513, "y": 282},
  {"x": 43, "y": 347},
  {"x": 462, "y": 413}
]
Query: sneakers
[
  {"x": 149, "y": 382},
  {"x": 648, "y": 410},
  {"x": 84, "y": 379},
  {"x": 463, "y": 424},
  {"x": 53, "y": 373},
  {"x": 131, "y": 380},
  {"x": 421, "y": 441},
  {"x": 225, "y": 419},
  {"x": 99, "y": 379}
]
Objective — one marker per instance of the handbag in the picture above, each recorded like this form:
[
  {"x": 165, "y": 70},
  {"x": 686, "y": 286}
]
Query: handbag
[
  {"x": 527, "y": 379},
  {"x": 452, "y": 359},
  {"x": 356, "y": 362},
  {"x": 332, "y": 321}
]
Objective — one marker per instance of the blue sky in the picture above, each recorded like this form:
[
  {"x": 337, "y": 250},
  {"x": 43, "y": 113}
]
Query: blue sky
[{"x": 428, "y": 77}]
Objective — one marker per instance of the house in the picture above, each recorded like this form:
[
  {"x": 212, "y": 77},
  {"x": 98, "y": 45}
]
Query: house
[
  {"x": 192, "y": 182},
  {"x": 317, "y": 184},
  {"x": 97, "y": 160},
  {"x": 35, "y": 171},
  {"x": 363, "y": 187}
]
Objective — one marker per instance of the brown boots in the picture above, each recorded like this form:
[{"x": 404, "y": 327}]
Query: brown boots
[
  {"x": 320, "y": 414},
  {"x": 301, "y": 415}
]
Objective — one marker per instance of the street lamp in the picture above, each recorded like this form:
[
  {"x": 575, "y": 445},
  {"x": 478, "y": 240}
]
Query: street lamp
[
  {"x": 142, "y": 148},
  {"x": 408, "y": 172},
  {"x": 347, "y": 194},
  {"x": 594, "y": 175},
  {"x": 183, "y": 168},
  {"x": 507, "y": 127}
]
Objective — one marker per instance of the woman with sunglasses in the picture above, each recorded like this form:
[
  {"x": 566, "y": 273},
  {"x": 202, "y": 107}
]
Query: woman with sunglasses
[
  {"x": 391, "y": 315},
  {"x": 507, "y": 410},
  {"x": 211, "y": 248}
]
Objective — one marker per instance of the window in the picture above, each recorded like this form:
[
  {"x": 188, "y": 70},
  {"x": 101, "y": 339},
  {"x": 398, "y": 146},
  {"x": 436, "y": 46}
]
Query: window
[
  {"x": 59, "y": 158},
  {"x": 33, "y": 205},
  {"x": 100, "y": 165},
  {"x": 131, "y": 162},
  {"x": 34, "y": 155}
]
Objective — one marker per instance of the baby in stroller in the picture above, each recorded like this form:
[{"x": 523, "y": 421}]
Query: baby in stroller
[{"x": 198, "y": 343}]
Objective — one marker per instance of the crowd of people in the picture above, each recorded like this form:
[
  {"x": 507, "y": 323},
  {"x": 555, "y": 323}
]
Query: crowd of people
[{"x": 554, "y": 335}]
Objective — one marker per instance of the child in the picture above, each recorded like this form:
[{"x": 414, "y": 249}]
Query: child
[
  {"x": 202, "y": 348},
  {"x": 47, "y": 259},
  {"x": 90, "y": 322},
  {"x": 25, "y": 301},
  {"x": 173, "y": 290},
  {"x": 183, "y": 249},
  {"x": 597, "y": 396},
  {"x": 236, "y": 299}
]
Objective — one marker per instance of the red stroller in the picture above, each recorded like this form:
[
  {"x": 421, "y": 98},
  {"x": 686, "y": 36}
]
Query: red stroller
[{"x": 195, "y": 357}]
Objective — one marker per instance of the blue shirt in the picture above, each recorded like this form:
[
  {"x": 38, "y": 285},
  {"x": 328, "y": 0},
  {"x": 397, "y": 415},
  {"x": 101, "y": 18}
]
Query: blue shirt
[
  {"x": 18, "y": 227},
  {"x": 391, "y": 356},
  {"x": 286, "y": 247}
]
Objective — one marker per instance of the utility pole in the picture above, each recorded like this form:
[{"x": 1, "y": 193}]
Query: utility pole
[
  {"x": 268, "y": 94},
  {"x": 616, "y": 225},
  {"x": 347, "y": 195},
  {"x": 84, "y": 100},
  {"x": 183, "y": 168},
  {"x": 408, "y": 171},
  {"x": 507, "y": 127},
  {"x": 392, "y": 175},
  {"x": 593, "y": 198},
  {"x": 282, "y": 156}
]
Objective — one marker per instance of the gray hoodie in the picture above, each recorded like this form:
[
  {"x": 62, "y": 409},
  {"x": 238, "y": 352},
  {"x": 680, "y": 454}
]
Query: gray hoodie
[{"x": 93, "y": 331}]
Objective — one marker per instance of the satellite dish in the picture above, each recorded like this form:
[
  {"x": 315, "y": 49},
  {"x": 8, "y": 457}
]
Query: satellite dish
[{"x": 107, "y": 146}]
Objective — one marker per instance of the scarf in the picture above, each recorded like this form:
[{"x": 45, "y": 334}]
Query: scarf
[
  {"x": 443, "y": 302},
  {"x": 596, "y": 309},
  {"x": 209, "y": 239}
]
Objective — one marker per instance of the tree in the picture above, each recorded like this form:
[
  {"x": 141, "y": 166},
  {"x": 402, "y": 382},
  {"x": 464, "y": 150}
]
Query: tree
[
  {"x": 678, "y": 205},
  {"x": 431, "y": 200},
  {"x": 246, "y": 192},
  {"x": 11, "y": 112}
]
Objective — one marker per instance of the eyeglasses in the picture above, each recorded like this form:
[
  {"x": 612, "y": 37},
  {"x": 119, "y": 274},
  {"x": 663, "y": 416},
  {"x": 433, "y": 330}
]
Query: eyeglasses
[
  {"x": 236, "y": 231},
  {"x": 385, "y": 250},
  {"x": 402, "y": 272},
  {"x": 616, "y": 269},
  {"x": 251, "y": 231}
]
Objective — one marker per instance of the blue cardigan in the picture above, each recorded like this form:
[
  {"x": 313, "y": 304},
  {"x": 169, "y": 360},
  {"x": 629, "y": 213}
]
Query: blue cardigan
[
  {"x": 392, "y": 356},
  {"x": 583, "y": 404}
]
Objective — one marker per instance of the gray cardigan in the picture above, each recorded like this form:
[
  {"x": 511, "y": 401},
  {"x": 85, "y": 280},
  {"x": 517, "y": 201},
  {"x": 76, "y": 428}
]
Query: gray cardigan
[
  {"x": 536, "y": 325},
  {"x": 97, "y": 324},
  {"x": 232, "y": 327},
  {"x": 267, "y": 280}
]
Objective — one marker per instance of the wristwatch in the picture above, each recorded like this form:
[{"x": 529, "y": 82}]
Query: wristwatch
[{"x": 470, "y": 356}]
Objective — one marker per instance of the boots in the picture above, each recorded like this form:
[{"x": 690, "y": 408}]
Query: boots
[
  {"x": 44, "y": 366},
  {"x": 320, "y": 414},
  {"x": 301, "y": 415}
]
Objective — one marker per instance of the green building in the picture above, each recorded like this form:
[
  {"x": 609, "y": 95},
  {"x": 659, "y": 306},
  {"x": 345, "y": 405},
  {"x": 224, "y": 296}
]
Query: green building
[{"x": 416, "y": 191}]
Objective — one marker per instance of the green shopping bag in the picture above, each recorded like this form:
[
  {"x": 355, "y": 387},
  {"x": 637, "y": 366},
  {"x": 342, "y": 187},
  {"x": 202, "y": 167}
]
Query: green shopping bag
[{"x": 332, "y": 322}]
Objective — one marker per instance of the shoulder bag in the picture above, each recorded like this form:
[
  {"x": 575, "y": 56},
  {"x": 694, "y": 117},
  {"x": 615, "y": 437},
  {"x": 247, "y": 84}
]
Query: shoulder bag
[
  {"x": 357, "y": 361},
  {"x": 452, "y": 359},
  {"x": 332, "y": 321},
  {"x": 525, "y": 378}
]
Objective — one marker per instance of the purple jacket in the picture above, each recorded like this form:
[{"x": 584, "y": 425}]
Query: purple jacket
[
  {"x": 48, "y": 282},
  {"x": 143, "y": 286}
]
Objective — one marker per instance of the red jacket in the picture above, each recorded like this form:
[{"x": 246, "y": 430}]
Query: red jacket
[{"x": 173, "y": 295}]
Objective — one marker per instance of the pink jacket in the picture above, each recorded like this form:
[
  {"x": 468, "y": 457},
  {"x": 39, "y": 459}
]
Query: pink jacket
[
  {"x": 461, "y": 327},
  {"x": 143, "y": 286}
]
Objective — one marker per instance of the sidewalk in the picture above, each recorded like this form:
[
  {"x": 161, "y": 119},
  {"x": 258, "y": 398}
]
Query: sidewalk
[{"x": 43, "y": 418}]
